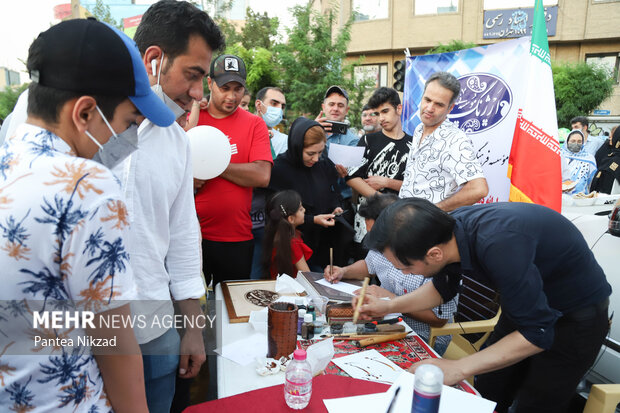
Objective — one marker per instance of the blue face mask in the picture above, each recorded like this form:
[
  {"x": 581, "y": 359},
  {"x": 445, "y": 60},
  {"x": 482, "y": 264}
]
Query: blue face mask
[{"x": 273, "y": 116}]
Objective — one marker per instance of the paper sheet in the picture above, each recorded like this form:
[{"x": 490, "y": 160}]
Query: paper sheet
[
  {"x": 452, "y": 400},
  {"x": 369, "y": 365},
  {"x": 340, "y": 286},
  {"x": 345, "y": 155},
  {"x": 245, "y": 351}
]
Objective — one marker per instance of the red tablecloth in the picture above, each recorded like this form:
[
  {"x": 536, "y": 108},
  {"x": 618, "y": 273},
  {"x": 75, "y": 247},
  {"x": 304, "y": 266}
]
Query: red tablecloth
[{"x": 271, "y": 399}]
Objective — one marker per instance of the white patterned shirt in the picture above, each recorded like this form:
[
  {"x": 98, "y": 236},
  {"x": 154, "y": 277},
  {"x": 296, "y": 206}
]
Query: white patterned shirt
[
  {"x": 438, "y": 167},
  {"x": 63, "y": 224},
  {"x": 398, "y": 283}
]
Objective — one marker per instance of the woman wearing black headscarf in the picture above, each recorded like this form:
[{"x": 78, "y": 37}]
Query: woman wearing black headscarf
[
  {"x": 607, "y": 178},
  {"x": 314, "y": 177}
]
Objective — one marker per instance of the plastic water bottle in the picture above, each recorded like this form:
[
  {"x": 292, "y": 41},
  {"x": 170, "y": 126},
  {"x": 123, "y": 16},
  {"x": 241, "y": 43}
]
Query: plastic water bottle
[
  {"x": 298, "y": 384},
  {"x": 427, "y": 389}
]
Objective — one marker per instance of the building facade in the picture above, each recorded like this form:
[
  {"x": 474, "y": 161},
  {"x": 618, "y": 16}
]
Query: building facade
[{"x": 579, "y": 30}]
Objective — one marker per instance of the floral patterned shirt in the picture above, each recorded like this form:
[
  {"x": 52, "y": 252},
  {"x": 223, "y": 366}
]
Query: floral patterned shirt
[
  {"x": 440, "y": 165},
  {"x": 62, "y": 228}
]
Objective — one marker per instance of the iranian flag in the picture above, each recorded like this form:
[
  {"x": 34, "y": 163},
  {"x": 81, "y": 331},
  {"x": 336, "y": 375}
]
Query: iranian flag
[{"x": 534, "y": 164}]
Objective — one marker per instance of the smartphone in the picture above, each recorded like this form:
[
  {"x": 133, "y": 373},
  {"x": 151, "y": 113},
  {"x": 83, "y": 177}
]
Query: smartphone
[{"x": 339, "y": 127}]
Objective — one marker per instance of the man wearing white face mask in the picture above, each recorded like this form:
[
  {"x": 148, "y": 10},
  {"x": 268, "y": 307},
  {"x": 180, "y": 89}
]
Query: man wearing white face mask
[
  {"x": 176, "y": 41},
  {"x": 270, "y": 104}
]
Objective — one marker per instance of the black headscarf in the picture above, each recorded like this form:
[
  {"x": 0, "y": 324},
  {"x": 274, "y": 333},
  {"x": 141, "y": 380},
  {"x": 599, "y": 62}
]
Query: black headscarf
[
  {"x": 608, "y": 167},
  {"x": 296, "y": 134}
]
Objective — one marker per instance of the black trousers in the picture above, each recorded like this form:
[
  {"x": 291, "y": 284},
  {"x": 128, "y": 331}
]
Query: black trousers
[
  {"x": 547, "y": 381},
  {"x": 223, "y": 261}
]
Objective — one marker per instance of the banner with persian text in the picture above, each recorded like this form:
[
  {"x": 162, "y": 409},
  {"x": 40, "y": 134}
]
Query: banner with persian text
[{"x": 492, "y": 90}]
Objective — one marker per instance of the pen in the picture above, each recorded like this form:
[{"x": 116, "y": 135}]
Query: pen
[
  {"x": 331, "y": 264},
  {"x": 388, "y": 321},
  {"x": 389, "y": 410}
]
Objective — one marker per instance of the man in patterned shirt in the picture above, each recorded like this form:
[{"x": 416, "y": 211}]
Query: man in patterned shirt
[
  {"x": 393, "y": 281},
  {"x": 442, "y": 166},
  {"x": 63, "y": 225}
]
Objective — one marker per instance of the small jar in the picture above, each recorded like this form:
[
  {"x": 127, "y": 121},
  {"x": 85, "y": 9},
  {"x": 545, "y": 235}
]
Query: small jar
[
  {"x": 300, "y": 319},
  {"x": 307, "y": 328}
]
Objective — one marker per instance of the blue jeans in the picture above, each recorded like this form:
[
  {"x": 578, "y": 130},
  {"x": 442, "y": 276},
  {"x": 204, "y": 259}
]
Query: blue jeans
[
  {"x": 257, "y": 270},
  {"x": 161, "y": 360}
]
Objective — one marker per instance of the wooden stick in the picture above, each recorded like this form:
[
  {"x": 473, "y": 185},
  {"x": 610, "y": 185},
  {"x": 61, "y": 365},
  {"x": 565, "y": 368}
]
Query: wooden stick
[
  {"x": 331, "y": 263},
  {"x": 356, "y": 314},
  {"x": 380, "y": 339}
]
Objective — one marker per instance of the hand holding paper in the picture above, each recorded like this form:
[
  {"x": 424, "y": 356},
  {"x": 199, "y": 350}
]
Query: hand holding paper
[{"x": 345, "y": 155}]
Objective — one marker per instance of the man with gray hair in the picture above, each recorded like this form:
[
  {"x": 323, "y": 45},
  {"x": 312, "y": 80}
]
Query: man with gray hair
[{"x": 442, "y": 166}]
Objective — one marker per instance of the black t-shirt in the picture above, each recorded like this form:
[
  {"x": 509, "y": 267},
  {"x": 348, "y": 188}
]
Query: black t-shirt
[
  {"x": 383, "y": 156},
  {"x": 534, "y": 257}
]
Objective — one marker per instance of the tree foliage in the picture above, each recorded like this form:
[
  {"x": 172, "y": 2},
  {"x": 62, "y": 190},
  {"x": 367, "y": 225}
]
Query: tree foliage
[
  {"x": 101, "y": 12},
  {"x": 579, "y": 89},
  {"x": 8, "y": 99},
  {"x": 453, "y": 46},
  {"x": 312, "y": 60},
  {"x": 260, "y": 30}
]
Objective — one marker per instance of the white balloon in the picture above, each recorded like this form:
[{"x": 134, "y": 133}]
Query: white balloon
[{"x": 210, "y": 151}]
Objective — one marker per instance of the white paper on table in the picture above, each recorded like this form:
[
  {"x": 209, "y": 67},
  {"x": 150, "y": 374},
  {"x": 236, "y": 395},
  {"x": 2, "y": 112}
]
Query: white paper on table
[
  {"x": 367, "y": 403},
  {"x": 285, "y": 284},
  {"x": 346, "y": 155},
  {"x": 246, "y": 350},
  {"x": 369, "y": 365},
  {"x": 258, "y": 320},
  {"x": 452, "y": 400},
  {"x": 340, "y": 286}
]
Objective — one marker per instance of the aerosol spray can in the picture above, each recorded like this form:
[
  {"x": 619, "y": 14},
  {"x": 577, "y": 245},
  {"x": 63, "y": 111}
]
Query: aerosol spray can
[{"x": 427, "y": 389}]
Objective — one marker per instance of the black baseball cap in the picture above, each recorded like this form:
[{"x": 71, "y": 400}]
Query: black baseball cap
[
  {"x": 336, "y": 89},
  {"x": 227, "y": 68},
  {"x": 90, "y": 57}
]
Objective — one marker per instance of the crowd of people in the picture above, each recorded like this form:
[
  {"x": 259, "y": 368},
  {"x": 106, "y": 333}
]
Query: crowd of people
[
  {"x": 590, "y": 163},
  {"x": 98, "y": 205}
]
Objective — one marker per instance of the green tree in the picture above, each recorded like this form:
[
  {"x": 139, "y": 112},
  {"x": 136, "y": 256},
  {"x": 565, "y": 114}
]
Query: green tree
[
  {"x": 101, "y": 12},
  {"x": 453, "y": 46},
  {"x": 313, "y": 59},
  {"x": 8, "y": 99},
  {"x": 579, "y": 89},
  {"x": 260, "y": 30}
]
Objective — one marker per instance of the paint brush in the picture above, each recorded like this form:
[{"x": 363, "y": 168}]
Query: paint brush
[{"x": 356, "y": 314}]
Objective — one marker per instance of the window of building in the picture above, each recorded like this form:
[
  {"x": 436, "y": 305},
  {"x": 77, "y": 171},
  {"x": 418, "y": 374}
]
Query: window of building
[
  {"x": 378, "y": 73},
  {"x": 369, "y": 9},
  {"x": 513, "y": 4},
  {"x": 422, "y": 7},
  {"x": 610, "y": 61}
]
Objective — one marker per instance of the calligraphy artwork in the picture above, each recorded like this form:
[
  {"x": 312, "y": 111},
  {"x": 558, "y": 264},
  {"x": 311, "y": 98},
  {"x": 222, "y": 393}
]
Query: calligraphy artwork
[
  {"x": 369, "y": 365},
  {"x": 484, "y": 101}
]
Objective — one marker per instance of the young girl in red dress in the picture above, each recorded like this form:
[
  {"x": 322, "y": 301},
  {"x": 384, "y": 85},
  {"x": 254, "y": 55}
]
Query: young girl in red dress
[{"x": 284, "y": 252}]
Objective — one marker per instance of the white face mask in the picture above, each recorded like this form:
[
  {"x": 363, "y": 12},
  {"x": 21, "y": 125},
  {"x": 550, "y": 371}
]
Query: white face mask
[
  {"x": 272, "y": 116},
  {"x": 157, "y": 89},
  {"x": 118, "y": 147}
]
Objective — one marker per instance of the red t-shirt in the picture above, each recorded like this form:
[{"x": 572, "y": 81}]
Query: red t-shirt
[
  {"x": 223, "y": 207},
  {"x": 298, "y": 250}
]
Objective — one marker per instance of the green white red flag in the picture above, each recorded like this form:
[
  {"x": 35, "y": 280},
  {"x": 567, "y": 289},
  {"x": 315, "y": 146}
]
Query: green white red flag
[{"x": 534, "y": 167}]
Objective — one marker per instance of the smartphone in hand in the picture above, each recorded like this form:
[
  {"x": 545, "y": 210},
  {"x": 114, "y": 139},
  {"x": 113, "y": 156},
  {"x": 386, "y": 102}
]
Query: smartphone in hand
[{"x": 339, "y": 127}]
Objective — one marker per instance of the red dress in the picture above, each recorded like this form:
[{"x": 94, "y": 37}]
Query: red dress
[{"x": 298, "y": 250}]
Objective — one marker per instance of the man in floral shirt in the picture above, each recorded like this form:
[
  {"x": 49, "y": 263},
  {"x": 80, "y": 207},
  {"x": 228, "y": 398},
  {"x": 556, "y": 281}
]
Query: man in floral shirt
[
  {"x": 63, "y": 224},
  {"x": 442, "y": 166}
]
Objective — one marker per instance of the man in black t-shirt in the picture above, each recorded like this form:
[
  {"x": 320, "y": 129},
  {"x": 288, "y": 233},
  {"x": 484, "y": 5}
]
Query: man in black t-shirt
[
  {"x": 385, "y": 157},
  {"x": 554, "y": 295}
]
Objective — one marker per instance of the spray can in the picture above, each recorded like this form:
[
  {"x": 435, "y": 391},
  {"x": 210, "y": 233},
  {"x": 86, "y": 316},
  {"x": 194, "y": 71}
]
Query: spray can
[{"x": 427, "y": 389}]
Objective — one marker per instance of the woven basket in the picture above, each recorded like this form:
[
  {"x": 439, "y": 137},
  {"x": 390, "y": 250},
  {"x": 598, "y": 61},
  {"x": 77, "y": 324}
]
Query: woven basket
[{"x": 281, "y": 329}]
